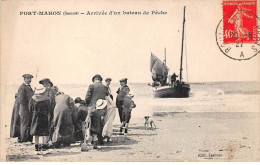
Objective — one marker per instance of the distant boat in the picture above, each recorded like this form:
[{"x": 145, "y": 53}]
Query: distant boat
[{"x": 159, "y": 72}]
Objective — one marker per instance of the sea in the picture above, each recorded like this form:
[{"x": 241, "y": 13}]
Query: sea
[{"x": 204, "y": 97}]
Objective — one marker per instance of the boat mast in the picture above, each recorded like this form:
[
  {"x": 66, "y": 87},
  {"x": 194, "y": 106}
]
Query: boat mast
[{"x": 182, "y": 43}]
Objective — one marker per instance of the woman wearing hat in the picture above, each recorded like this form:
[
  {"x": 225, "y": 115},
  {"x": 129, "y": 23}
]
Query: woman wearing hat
[
  {"x": 49, "y": 92},
  {"x": 50, "y": 89},
  {"x": 40, "y": 107},
  {"x": 122, "y": 92},
  {"x": 48, "y": 85}
]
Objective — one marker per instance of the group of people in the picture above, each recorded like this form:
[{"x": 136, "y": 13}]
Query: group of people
[
  {"x": 162, "y": 81},
  {"x": 59, "y": 120}
]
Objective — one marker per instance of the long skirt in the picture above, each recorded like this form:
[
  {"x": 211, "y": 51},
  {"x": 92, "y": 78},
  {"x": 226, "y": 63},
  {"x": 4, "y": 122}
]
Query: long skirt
[
  {"x": 109, "y": 119},
  {"x": 40, "y": 118},
  {"x": 62, "y": 125},
  {"x": 15, "y": 121}
]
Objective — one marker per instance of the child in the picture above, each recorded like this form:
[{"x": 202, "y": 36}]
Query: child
[
  {"x": 40, "y": 108},
  {"x": 127, "y": 109},
  {"x": 97, "y": 121}
]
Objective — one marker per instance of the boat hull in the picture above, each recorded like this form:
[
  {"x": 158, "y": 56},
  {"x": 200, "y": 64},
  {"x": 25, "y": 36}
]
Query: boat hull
[{"x": 172, "y": 91}]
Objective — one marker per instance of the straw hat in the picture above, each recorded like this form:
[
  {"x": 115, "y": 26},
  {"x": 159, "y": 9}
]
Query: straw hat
[
  {"x": 40, "y": 89},
  {"x": 101, "y": 104},
  {"x": 131, "y": 94}
]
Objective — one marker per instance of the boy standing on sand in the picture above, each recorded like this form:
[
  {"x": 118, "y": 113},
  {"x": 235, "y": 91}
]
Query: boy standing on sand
[
  {"x": 97, "y": 121},
  {"x": 128, "y": 105},
  {"x": 121, "y": 93}
]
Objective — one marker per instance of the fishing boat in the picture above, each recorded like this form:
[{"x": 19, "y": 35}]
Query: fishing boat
[{"x": 160, "y": 71}]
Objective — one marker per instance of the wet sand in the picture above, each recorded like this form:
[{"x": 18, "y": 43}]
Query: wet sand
[{"x": 210, "y": 136}]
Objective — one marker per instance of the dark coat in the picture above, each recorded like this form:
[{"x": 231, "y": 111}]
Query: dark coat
[
  {"x": 173, "y": 77},
  {"x": 97, "y": 123},
  {"x": 15, "y": 120},
  {"x": 96, "y": 91},
  {"x": 40, "y": 117},
  {"x": 50, "y": 93},
  {"x": 79, "y": 114},
  {"x": 128, "y": 103},
  {"x": 121, "y": 94},
  {"x": 63, "y": 129},
  {"x": 25, "y": 93}
]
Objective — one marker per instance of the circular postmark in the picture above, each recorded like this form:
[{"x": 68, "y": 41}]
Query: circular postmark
[{"x": 239, "y": 49}]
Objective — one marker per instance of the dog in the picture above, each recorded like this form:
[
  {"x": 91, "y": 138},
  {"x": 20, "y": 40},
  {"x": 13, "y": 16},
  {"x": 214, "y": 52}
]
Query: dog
[{"x": 148, "y": 121}]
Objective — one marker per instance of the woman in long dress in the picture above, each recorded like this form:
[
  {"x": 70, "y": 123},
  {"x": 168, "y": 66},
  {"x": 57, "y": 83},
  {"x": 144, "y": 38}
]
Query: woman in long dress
[
  {"x": 15, "y": 120},
  {"x": 62, "y": 120},
  {"x": 109, "y": 119},
  {"x": 40, "y": 108}
]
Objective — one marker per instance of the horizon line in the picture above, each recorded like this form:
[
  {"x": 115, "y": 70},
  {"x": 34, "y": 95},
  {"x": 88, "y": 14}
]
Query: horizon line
[{"x": 185, "y": 81}]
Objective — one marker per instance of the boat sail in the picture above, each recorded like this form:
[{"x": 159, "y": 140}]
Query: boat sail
[
  {"x": 158, "y": 69},
  {"x": 159, "y": 72}
]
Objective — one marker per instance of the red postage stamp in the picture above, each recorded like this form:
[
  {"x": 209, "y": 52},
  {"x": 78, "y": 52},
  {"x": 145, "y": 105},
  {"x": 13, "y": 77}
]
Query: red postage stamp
[{"x": 240, "y": 21}]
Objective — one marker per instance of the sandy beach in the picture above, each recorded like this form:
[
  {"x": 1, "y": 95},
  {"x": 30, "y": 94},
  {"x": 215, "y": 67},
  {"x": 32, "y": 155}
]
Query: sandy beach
[
  {"x": 201, "y": 56},
  {"x": 219, "y": 122},
  {"x": 210, "y": 136}
]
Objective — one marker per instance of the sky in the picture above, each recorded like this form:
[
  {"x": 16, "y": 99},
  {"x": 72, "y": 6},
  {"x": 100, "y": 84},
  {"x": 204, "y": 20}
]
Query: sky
[{"x": 72, "y": 49}]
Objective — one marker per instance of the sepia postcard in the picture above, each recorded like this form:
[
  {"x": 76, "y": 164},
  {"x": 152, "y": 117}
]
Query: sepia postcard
[{"x": 128, "y": 80}]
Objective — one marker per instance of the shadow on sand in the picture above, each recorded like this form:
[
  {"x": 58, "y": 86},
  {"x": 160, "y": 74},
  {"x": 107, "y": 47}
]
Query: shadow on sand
[
  {"x": 14, "y": 158},
  {"x": 165, "y": 114},
  {"x": 121, "y": 140},
  {"x": 107, "y": 149},
  {"x": 143, "y": 128},
  {"x": 116, "y": 128},
  {"x": 62, "y": 153},
  {"x": 142, "y": 134}
]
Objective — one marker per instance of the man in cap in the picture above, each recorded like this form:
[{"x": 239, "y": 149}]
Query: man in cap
[
  {"x": 25, "y": 93},
  {"x": 96, "y": 91},
  {"x": 108, "y": 81},
  {"x": 122, "y": 92}
]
